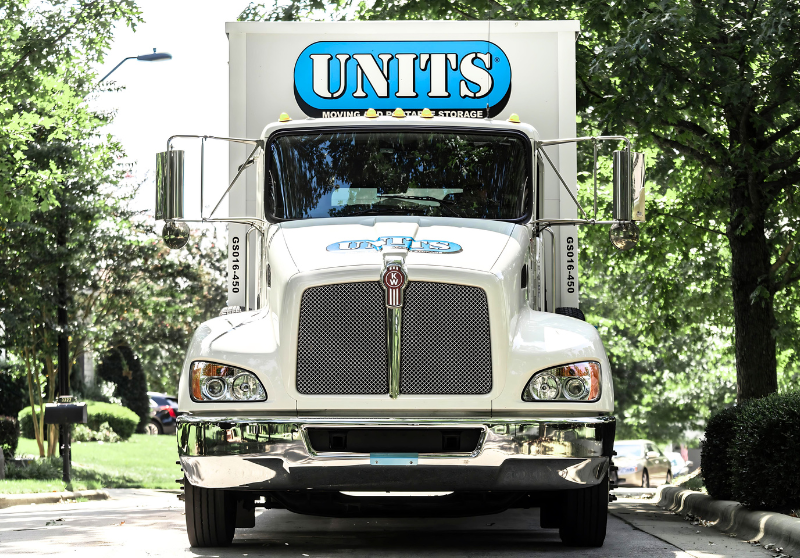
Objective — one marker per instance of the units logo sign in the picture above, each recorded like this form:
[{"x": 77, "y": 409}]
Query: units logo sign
[
  {"x": 452, "y": 78},
  {"x": 407, "y": 242}
]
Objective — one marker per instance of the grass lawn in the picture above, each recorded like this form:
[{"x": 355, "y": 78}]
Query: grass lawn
[{"x": 141, "y": 462}]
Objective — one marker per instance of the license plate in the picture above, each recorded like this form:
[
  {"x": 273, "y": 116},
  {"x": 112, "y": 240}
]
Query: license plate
[{"x": 393, "y": 458}]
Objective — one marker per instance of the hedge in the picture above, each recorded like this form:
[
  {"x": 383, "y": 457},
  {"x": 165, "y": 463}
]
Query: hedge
[
  {"x": 714, "y": 453},
  {"x": 765, "y": 453},
  {"x": 751, "y": 453},
  {"x": 123, "y": 421},
  {"x": 9, "y": 437}
]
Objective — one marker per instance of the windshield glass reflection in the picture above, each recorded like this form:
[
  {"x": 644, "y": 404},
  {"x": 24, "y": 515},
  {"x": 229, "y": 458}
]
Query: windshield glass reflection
[{"x": 447, "y": 174}]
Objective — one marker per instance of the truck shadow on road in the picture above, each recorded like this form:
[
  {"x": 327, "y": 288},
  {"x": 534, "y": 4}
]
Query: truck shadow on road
[{"x": 509, "y": 534}]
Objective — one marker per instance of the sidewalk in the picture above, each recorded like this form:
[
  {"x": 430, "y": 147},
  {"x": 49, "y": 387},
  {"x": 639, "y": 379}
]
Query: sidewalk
[
  {"x": 8, "y": 500},
  {"x": 732, "y": 518},
  {"x": 695, "y": 541}
]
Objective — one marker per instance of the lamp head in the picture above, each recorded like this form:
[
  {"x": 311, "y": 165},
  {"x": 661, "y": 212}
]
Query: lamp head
[{"x": 154, "y": 56}]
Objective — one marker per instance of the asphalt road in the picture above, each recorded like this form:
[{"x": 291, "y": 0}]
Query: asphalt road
[{"x": 149, "y": 523}]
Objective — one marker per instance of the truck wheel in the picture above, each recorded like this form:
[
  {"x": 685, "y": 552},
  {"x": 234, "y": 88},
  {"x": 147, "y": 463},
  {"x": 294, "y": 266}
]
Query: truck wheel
[
  {"x": 585, "y": 516},
  {"x": 210, "y": 516},
  {"x": 572, "y": 312}
]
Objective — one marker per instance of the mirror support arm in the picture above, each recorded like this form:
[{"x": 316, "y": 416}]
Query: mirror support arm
[
  {"x": 235, "y": 178},
  {"x": 256, "y": 143},
  {"x": 574, "y": 199},
  {"x": 541, "y": 144}
]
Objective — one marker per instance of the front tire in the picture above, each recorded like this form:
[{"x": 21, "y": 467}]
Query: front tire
[
  {"x": 210, "y": 516},
  {"x": 645, "y": 479},
  {"x": 586, "y": 515},
  {"x": 669, "y": 477}
]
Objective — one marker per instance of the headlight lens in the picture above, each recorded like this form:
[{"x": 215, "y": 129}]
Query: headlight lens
[
  {"x": 220, "y": 382},
  {"x": 569, "y": 382}
]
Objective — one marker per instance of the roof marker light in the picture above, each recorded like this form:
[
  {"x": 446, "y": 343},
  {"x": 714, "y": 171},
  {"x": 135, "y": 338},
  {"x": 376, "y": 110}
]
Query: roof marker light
[
  {"x": 284, "y": 117},
  {"x": 514, "y": 118},
  {"x": 426, "y": 113},
  {"x": 398, "y": 113},
  {"x": 371, "y": 113}
]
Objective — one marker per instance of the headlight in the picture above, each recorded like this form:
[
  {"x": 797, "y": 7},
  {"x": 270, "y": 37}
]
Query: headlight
[
  {"x": 569, "y": 382},
  {"x": 220, "y": 382}
]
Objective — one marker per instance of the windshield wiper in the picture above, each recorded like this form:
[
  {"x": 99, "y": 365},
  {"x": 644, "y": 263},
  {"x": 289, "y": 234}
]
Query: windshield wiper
[
  {"x": 387, "y": 210},
  {"x": 449, "y": 205}
]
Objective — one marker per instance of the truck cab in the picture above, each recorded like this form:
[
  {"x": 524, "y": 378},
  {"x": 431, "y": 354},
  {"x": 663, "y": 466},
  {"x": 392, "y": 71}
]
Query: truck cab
[{"x": 397, "y": 333}]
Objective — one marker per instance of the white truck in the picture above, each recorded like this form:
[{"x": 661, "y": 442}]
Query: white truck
[{"x": 403, "y": 281}]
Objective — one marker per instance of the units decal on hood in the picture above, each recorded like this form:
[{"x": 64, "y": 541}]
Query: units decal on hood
[
  {"x": 407, "y": 242},
  {"x": 452, "y": 78}
]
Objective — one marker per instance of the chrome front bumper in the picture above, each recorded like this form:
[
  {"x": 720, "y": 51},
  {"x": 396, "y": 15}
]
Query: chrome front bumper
[{"x": 266, "y": 454}]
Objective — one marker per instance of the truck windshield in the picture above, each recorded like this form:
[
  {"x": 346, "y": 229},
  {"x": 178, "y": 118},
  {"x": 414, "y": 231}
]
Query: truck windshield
[{"x": 432, "y": 173}]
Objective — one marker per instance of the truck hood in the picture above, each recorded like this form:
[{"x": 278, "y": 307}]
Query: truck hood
[{"x": 329, "y": 243}]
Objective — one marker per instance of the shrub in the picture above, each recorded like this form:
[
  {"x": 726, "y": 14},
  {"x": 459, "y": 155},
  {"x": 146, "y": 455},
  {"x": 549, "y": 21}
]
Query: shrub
[
  {"x": 82, "y": 433},
  {"x": 26, "y": 423},
  {"x": 9, "y": 437},
  {"x": 121, "y": 420},
  {"x": 714, "y": 453},
  {"x": 13, "y": 393},
  {"x": 46, "y": 468},
  {"x": 765, "y": 453}
]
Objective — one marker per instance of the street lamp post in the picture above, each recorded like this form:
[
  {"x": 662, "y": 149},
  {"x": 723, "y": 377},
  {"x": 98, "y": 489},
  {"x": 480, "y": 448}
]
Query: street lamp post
[{"x": 63, "y": 322}]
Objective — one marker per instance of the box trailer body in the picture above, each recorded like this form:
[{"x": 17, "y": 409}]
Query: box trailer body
[
  {"x": 541, "y": 90},
  {"x": 391, "y": 321}
]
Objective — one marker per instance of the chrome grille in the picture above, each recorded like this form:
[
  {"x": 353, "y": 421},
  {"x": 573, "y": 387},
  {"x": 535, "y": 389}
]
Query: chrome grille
[
  {"x": 445, "y": 338},
  {"x": 341, "y": 346},
  {"x": 446, "y": 346}
]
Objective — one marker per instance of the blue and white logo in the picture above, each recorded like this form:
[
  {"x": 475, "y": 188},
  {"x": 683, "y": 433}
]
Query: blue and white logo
[
  {"x": 332, "y": 78},
  {"x": 407, "y": 242}
]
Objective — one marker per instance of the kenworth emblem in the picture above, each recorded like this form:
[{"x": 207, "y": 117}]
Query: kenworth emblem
[
  {"x": 452, "y": 78},
  {"x": 394, "y": 283},
  {"x": 407, "y": 242}
]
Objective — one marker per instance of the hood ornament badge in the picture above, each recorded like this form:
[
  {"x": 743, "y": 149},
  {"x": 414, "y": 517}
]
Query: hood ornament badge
[{"x": 394, "y": 281}]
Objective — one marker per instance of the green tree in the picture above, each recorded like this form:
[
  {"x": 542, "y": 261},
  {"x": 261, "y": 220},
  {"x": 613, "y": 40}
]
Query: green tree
[
  {"x": 46, "y": 52},
  {"x": 120, "y": 366},
  {"x": 182, "y": 289},
  {"x": 711, "y": 89}
]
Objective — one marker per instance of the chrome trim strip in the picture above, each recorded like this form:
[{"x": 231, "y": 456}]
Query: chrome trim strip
[{"x": 394, "y": 323}]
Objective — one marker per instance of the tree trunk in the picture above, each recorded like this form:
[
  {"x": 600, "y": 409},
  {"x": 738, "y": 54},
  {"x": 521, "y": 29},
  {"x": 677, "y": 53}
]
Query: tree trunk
[{"x": 754, "y": 318}]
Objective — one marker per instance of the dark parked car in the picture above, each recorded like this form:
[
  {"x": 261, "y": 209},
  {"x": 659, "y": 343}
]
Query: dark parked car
[{"x": 163, "y": 412}]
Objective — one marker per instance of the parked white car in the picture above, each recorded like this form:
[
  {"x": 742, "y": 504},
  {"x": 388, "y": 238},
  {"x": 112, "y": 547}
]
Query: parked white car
[{"x": 641, "y": 463}]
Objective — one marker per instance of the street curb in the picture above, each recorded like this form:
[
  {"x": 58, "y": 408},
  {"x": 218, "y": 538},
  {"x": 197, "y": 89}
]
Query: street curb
[
  {"x": 8, "y": 500},
  {"x": 731, "y": 517}
]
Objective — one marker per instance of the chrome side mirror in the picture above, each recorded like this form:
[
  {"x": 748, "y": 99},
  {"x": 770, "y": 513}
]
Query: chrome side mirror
[
  {"x": 624, "y": 236},
  {"x": 169, "y": 185},
  {"x": 628, "y": 186},
  {"x": 628, "y": 203},
  {"x": 175, "y": 234}
]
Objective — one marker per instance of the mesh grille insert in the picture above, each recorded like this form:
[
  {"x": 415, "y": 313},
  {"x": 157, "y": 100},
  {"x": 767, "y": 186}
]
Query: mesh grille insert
[
  {"x": 341, "y": 346},
  {"x": 446, "y": 343}
]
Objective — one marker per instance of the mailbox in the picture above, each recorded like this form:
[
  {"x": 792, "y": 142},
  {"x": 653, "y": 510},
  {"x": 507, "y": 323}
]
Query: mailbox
[{"x": 65, "y": 413}]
